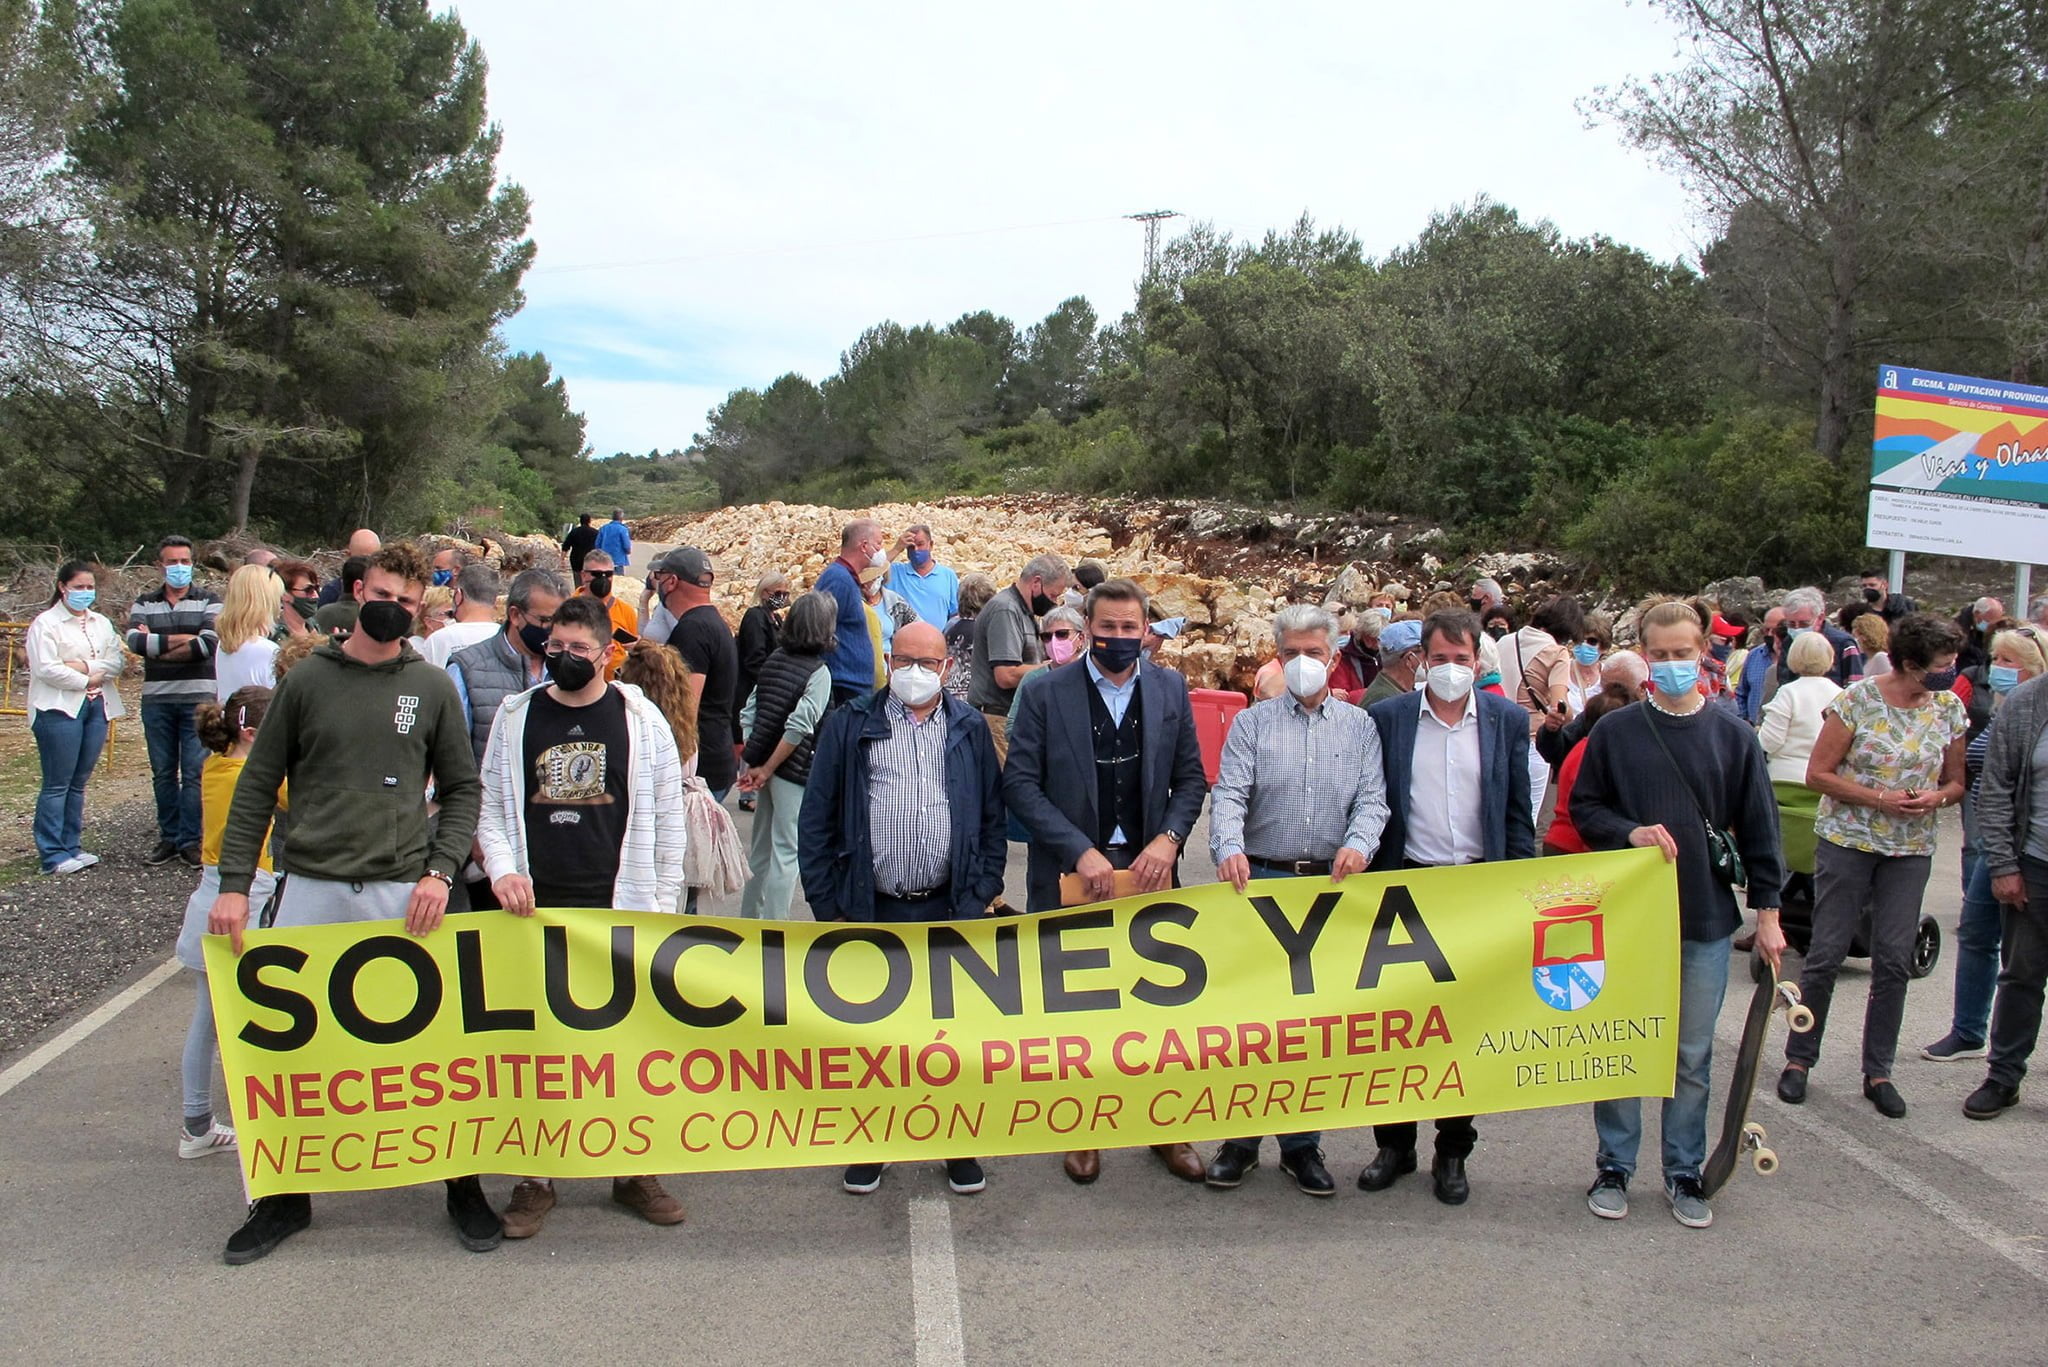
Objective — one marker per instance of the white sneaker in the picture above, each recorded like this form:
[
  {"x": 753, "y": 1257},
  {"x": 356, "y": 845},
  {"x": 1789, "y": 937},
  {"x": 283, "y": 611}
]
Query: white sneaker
[
  {"x": 71, "y": 866},
  {"x": 217, "y": 1139},
  {"x": 88, "y": 859}
]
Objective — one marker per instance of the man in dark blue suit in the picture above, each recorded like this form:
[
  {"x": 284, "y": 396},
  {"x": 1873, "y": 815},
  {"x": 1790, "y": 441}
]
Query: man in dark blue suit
[
  {"x": 1457, "y": 765},
  {"x": 1106, "y": 774}
]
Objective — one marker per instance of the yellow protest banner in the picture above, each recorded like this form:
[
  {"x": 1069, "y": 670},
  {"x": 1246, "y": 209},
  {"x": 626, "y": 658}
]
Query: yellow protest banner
[{"x": 600, "y": 1043}]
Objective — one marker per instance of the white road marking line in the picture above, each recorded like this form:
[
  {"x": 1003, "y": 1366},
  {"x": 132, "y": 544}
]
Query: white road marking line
[
  {"x": 49, "y": 1053},
  {"x": 934, "y": 1285},
  {"x": 2020, "y": 1252}
]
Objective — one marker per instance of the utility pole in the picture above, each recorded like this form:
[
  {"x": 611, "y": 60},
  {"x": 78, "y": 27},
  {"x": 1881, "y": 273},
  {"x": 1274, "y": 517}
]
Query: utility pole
[{"x": 1152, "y": 220}]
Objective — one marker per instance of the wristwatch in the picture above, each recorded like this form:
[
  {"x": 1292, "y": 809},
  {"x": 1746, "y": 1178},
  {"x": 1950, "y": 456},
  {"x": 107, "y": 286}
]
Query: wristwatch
[
  {"x": 446, "y": 881},
  {"x": 1175, "y": 836}
]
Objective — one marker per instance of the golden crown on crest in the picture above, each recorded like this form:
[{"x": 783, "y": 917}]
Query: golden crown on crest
[{"x": 1566, "y": 894}]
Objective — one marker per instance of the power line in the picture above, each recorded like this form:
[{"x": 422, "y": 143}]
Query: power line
[{"x": 799, "y": 249}]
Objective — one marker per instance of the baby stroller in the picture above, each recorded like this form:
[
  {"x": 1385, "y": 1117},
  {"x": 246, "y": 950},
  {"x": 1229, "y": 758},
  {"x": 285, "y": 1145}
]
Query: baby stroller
[{"x": 1797, "y": 920}]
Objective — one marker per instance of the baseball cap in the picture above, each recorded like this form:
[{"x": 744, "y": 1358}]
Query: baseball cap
[
  {"x": 1401, "y": 637},
  {"x": 686, "y": 563},
  {"x": 1725, "y": 628}
]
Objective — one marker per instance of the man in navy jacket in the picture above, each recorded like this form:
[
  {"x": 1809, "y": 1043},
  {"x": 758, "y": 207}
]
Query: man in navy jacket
[
  {"x": 1457, "y": 765},
  {"x": 1105, "y": 771}
]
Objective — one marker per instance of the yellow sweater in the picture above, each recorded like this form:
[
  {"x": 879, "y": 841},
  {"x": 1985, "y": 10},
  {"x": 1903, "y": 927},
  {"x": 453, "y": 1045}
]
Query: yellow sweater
[{"x": 216, "y": 794}]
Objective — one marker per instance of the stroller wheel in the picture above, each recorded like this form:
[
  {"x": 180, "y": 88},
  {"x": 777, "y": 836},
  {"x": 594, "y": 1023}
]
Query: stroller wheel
[{"x": 1926, "y": 947}]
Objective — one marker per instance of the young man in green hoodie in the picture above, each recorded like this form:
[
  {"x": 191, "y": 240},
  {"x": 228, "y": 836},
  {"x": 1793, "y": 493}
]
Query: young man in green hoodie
[{"x": 358, "y": 731}]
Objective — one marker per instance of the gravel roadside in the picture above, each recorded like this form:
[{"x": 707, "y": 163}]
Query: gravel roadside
[{"x": 66, "y": 940}]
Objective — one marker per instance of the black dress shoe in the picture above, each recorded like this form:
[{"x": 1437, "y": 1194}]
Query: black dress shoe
[
  {"x": 1231, "y": 1163},
  {"x": 1886, "y": 1098},
  {"x": 1447, "y": 1175},
  {"x": 1792, "y": 1086},
  {"x": 1987, "y": 1101},
  {"x": 1386, "y": 1167},
  {"x": 1305, "y": 1166}
]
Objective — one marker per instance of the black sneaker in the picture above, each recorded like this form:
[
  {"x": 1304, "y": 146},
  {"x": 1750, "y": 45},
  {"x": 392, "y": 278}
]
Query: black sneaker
[
  {"x": 1987, "y": 1101},
  {"x": 164, "y": 853},
  {"x": 964, "y": 1176},
  {"x": 190, "y": 854},
  {"x": 272, "y": 1220},
  {"x": 476, "y": 1224},
  {"x": 1305, "y": 1166},
  {"x": 1228, "y": 1167},
  {"x": 863, "y": 1178}
]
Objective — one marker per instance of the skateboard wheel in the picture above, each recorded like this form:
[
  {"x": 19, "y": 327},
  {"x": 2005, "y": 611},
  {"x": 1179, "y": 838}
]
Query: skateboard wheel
[
  {"x": 1753, "y": 1135},
  {"x": 1800, "y": 1018},
  {"x": 1765, "y": 1161}
]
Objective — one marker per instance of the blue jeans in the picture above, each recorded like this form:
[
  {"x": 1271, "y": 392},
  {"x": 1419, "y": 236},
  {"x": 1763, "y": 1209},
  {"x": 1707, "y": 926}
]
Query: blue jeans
[
  {"x": 1702, "y": 985},
  {"x": 1977, "y": 937},
  {"x": 69, "y": 748},
  {"x": 175, "y": 757},
  {"x": 1307, "y": 1139}
]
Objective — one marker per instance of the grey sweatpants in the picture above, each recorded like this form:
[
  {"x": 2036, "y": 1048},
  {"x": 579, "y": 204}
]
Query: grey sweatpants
[
  {"x": 1845, "y": 881},
  {"x": 321, "y": 902}
]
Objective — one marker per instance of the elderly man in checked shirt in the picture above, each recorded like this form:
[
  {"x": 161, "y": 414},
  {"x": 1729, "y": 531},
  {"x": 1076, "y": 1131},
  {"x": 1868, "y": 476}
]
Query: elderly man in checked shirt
[{"x": 1300, "y": 794}]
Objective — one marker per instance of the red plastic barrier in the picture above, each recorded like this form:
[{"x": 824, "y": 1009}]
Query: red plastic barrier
[{"x": 1215, "y": 709}]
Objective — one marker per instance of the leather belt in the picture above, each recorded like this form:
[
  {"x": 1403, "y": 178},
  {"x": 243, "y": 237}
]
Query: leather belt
[
  {"x": 927, "y": 895},
  {"x": 1300, "y": 868}
]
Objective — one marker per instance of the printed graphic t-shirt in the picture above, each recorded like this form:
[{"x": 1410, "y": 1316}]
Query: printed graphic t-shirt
[{"x": 576, "y": 798}]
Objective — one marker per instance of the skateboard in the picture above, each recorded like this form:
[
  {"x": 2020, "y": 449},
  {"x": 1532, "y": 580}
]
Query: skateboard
[{"x": 1739, "y": 1134}]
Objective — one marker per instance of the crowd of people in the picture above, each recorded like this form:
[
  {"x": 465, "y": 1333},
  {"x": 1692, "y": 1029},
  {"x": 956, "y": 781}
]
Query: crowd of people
[{"x": 418, "y": 736}]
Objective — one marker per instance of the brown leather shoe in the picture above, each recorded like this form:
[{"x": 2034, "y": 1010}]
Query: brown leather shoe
[
  {"x": 645, "y": 1197},
  {"x": 1182, "y": 1161},
  {"x": 1084, "y": 1165}
]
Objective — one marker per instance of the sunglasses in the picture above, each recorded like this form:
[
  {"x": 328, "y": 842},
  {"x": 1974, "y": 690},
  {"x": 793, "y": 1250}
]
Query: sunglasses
[{"x": 1062, "y": 634}]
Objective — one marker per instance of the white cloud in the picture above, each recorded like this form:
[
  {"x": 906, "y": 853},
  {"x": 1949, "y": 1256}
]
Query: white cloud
[{"x": 781, "y": 161}]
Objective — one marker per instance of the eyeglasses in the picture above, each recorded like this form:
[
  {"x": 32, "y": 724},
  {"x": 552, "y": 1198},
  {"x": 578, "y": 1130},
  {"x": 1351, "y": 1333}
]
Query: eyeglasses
[
  {"x": 917, "y": 662},
  {"x": 579, "y": 650}
]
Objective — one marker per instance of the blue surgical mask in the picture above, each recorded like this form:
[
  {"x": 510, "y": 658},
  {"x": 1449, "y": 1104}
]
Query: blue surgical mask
[
  {"x": 2004, "y": 678},
  {"x": 1794, "y": 633},
  {"x": 1343, "y": 641},
  {"x": 1585, "y": 654},
  {"x": 78, "y": 600},
  {"x": 1675, "y": 678},
  {"x": 919, "y": 558},
  {"x": 178, "y": 576},
  {"x": 443, "y": 578}
]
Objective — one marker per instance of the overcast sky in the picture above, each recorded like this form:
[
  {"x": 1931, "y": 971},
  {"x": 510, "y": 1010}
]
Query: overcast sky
[{"x": 724, "y": 193}]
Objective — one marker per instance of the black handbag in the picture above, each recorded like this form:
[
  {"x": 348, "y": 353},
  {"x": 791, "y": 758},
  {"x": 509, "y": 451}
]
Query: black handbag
[{"x": 1722, "y": 856}]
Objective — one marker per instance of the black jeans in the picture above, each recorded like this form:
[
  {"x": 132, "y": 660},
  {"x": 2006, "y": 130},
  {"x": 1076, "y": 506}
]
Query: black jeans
[
  {"x": 2016, "y": 1013},
  {"x": 1845, "y": 882}
]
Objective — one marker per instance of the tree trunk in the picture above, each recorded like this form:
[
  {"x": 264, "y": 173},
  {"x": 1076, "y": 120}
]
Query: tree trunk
[{"x": 245, "y": 484}]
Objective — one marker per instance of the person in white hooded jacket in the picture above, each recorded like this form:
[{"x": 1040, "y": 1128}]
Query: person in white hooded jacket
[
  {"x": 564, "y": 822},
  {"x": 576, "y": 778}
]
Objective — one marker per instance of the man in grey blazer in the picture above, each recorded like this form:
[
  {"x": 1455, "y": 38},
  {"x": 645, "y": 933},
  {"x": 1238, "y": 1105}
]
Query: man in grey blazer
[
  {"x": 1105, "y": 772},
  {"x": 1457, "y": 764}
]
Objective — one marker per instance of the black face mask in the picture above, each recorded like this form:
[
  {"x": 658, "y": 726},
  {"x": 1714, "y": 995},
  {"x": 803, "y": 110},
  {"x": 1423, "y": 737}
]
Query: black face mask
[
  {"x": 383, "y": 620},
  {"x": 600, "y": 586},
  {"x": 572, "y": 672},
  {"x": 534, "y": 638},
  {"x": 1041, "y": 605},
  {"x": 1496, "y": 631},
  {"x": 305, "y": 607},
  {"x": 1939, "y": 679},
  {"x": 1117, "y": 653},
  {"x": 1476, "y": 604},
  {"x": 777, "y": 602},
  {"x": 1873, "y": 595}
]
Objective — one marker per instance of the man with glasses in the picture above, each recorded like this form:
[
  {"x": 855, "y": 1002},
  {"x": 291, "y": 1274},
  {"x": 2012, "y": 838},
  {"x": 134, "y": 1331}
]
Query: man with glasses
[
  {"x": 594, "y": 580},
  {"x": 575, "y": 782},
  {"x": 902, "y": 817},
  {"x": 1807, "y": 610}
]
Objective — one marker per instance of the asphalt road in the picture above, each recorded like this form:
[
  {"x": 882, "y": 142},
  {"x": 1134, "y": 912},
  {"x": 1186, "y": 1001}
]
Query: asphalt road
[{"x": 1916, "y": 1240}]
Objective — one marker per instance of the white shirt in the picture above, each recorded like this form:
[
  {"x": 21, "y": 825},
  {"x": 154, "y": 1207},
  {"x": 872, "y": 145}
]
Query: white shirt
[
  {"x": 1791, "y": 724},
  {"x": 1444, "y": 811},
  {"x": 253, "y": 666},
  {"x": 56, "y": 635},
  {"x": 443, "y": 644}
]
